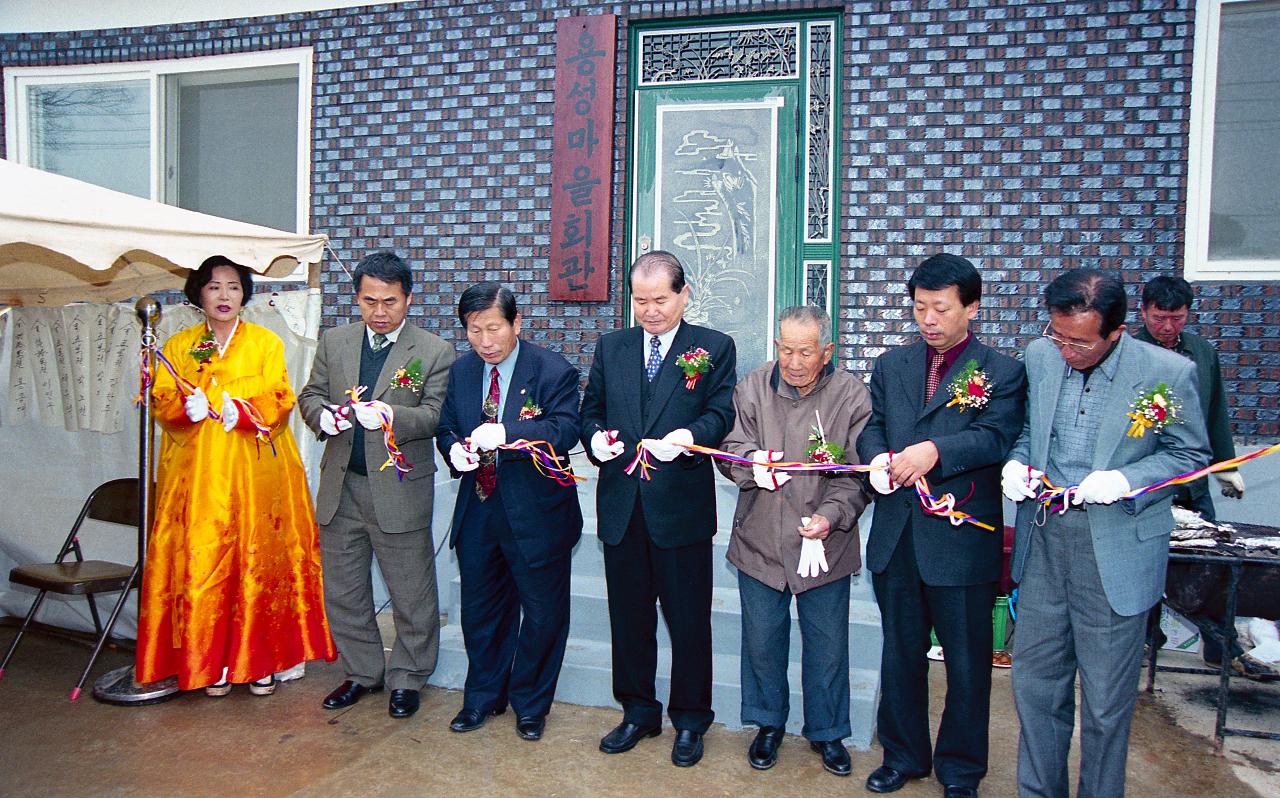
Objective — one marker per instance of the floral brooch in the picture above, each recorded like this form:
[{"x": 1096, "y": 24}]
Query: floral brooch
[
  {"x": 529, "y": 410},
  {"x": 408, "y": 377},
  {"x": 205, "y": 348},
  {"x": 970, "y": 388},
  {"x": 823, "y": 451},
  {"x": 694, "y": 364},
  {"x": 1154, "y": 410}
]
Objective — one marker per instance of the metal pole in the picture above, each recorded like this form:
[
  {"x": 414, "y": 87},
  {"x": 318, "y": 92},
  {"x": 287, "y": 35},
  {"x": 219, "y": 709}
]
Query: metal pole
[
  {"x": 119, "y": 686},
  {"x": 148, "y": 310}
]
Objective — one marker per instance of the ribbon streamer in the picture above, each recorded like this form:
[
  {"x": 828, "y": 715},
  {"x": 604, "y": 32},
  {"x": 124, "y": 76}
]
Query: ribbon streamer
[
  {"x": 1053, "y": 493},
  {"x": 547, "y": 461},
  {"x": 185, "y": 386},
  {"x": 386, "y": 418},
  {"x": 943, "y": 506},
  {"x": 262, "y": 433}
]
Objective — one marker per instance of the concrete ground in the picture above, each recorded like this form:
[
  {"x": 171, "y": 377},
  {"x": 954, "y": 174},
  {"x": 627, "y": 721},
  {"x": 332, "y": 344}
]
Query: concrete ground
[{"x": 286, "y": 744}]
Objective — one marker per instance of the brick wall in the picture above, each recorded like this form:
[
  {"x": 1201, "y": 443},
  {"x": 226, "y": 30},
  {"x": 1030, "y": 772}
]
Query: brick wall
[{"x": 1031, "y": 137}]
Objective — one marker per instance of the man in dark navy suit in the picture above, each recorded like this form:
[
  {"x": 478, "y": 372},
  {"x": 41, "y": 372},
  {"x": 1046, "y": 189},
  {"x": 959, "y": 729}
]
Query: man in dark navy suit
[
  {"x": 657, "y": 533},
  {"x": 927, "y": 422},
  {"x": 513, "y": 527}
]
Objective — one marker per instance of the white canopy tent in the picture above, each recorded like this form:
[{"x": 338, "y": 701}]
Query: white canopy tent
[
  {"x": 69, "y": 371},
  {"x": 63, "y": 240}
]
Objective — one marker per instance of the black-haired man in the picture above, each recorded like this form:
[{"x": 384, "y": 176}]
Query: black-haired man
[
  {"x": 927, "y": 422},
  {"x": 365, "y": 510},
  {"x": 1166, "y": 308},
  {"x": 513, "y": 527},
  {"x": 657, "y": 533},
  {"x": 1087, "y": 579}
]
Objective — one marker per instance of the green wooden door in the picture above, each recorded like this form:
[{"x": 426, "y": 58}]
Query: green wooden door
[{"x": 723, "y": 172}]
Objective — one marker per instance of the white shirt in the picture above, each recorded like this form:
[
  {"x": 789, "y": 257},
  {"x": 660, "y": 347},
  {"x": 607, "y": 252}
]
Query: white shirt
[
  {"x": 664, "y": 344},
  {"x": 391, "y": 336}
]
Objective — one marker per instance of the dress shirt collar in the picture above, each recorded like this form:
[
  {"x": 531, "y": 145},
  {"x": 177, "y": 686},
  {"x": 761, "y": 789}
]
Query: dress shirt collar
[
  {"x": 391, "y": 336},
  {"x": 950, "y": 356},
  {"x": 664, "y": 342}
]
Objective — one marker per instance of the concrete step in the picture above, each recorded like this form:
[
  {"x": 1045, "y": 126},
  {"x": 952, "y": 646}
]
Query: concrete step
[
  {"x": 585, "y": 679},
  {"x": 588, "y": 559},
  {"x": 589, "y": 620}
]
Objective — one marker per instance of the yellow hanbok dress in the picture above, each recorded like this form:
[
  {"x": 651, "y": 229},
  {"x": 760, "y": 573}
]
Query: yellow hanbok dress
[{"x": 233, "y": 562}]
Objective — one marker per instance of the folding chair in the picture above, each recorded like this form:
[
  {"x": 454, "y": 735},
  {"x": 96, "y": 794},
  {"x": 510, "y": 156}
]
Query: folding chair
[{"x": 115, "y": 502}]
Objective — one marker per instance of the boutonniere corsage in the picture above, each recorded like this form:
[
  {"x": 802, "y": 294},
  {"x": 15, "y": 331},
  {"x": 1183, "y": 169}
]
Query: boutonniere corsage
[
  {"x": 205, "y": 348},
  {"x": 821, "y": 450},
  {"x": 694, "y": 364},
  {"x": 529, "y": 410},
  {"x": 408, "y": 377},
  {"x": 1154, "y": 410},
  {"x": 970, "y": 388}
]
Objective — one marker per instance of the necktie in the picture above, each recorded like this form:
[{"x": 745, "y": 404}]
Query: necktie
[
  {"x": 379, "y": 341},
  {"x": 487, "y": 475},
  {"x": 655, "y": 359},
  {"x": 935, "y": 375}
]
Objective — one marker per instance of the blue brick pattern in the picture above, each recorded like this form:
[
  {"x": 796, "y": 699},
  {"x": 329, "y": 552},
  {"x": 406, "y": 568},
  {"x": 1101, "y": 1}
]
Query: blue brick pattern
[{"x": 1030, "y": 136}]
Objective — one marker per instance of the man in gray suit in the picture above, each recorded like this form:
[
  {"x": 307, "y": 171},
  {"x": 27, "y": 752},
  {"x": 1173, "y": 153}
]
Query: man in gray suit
[
  {"x": 365, "y": 507},
  {"x": 1089, "y": 574}
]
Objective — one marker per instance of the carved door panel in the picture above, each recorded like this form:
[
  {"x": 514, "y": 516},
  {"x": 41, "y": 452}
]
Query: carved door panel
[{"x": 720, "y": 174}]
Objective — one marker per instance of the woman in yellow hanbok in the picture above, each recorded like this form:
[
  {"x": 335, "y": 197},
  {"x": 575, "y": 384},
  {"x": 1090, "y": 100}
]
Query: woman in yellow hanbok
[{"x": 232, "y": 590}]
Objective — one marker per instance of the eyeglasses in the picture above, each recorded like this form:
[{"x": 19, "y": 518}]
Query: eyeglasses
[{"x": 1061, "y": 343}]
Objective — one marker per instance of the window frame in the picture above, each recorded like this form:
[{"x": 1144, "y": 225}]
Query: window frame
[
  {"x": 18, "y": 80},
  {"x": 1196, "y": 265}
]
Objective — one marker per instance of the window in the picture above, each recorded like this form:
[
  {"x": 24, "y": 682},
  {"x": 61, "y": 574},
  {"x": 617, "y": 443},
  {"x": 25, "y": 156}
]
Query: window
[
  {"x": 1233, "y": 177},
  {"x": 224, "y": 135}
]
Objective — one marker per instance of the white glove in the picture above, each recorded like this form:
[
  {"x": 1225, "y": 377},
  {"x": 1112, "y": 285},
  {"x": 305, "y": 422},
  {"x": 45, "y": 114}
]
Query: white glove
[
  {"x": 666, "y": 449},
  {"x": 605, "y": 445},
  {"x": 463, "y": 459},
  {"x": 880, "y": 479},
  {"x": 197, "y": 406},
  {"x": 806, "y": 559},
  {"x": 1101, "y": 487},
  {"x": 369, "y": 414},
  {"x": 230, "y": 413},
  {"x": 1232, "y": 483},
  {"x": 1019, "y": 481},
  {"x": 488, "y": 436},
  {"x": 334, "y": 419},
  {"x": 813, "y": 558},
  {"x": 767, "y": 478}
]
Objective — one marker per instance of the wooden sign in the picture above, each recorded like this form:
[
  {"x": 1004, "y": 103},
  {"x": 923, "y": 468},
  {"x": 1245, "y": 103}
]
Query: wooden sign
[{"x": 582, "y": 158}]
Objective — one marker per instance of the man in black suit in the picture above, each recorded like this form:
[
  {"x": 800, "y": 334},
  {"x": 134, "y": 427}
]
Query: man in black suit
[
  {"x": 513, "y": 528},
  {"x": 657, "y": 533},
  {"x": 927, "y": 572}
]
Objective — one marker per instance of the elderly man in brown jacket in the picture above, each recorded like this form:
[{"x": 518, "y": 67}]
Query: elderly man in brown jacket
[{"x": 797, "y": 535}]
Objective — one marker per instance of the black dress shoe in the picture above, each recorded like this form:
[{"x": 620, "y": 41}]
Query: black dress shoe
[
  {"x": 763, "y": 753},
  {"x": 403, "y": 703},
  {"x": 347, "y": 694},
  {"x": 959, "y": 791},
  {"x": 471, "y": 719},
  {"x": 886, "y": 779},
  {"x": 687, "y": 749},
  {"x": 835, "y": 757},
  {"x": 625, "y": 736},
  {"x": 530, "y": 727}
]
